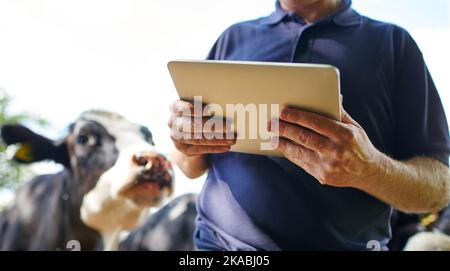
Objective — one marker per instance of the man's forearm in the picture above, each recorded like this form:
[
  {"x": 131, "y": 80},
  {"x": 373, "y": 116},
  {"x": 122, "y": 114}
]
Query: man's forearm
[
  {"x": 191, "y": 166},
  {"x": 418, "y": 185}
]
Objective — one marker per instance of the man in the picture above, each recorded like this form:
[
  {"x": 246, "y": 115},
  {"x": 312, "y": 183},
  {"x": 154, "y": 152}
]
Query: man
[{"x": 336, "y": 185}]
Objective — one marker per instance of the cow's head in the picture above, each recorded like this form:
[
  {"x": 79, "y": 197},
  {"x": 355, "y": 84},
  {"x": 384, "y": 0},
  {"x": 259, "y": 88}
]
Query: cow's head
[{"x": 101, "y": 149}]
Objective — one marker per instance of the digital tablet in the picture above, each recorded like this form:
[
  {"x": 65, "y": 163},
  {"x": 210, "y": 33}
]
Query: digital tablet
[{"x": 249, "y": 94}]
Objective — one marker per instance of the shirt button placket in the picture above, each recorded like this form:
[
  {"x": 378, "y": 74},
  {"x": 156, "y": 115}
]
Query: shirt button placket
[{"x": 298, "y": 40}]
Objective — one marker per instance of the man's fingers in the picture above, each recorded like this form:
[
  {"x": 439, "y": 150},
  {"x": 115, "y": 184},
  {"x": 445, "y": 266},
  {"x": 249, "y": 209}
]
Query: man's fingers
[
  {"x": 212, "y": 139},
  {"x": 304, "y": 137},
  {"x": 296, "y": 153},
  {"x": 183, "y": 108},
  {"x": 198, "y": 149},
  {"x": 320, "y": 124},
  {"x": 199, "y": 124}
]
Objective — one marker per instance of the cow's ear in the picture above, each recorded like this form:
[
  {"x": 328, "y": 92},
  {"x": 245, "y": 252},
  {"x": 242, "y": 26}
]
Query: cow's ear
[{"x": 33, "y": 147}]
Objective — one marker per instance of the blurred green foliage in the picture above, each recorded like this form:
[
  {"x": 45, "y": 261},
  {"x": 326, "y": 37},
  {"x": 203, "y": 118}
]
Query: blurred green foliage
[{"x": 12, "y": 173}]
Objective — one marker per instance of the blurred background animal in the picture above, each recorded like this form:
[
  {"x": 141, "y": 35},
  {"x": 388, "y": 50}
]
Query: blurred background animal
[
  {"x": 422, "y": 232},
  {"x": 100, "y": 146},
  {"x": 435, "y": 238}
]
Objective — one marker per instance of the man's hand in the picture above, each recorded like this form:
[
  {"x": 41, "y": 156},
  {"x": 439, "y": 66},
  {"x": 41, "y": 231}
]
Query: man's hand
[
  {"x": 340, "y": 154},
  {"x": 192, "y": 140},
  {"x": 335, "y": 153},
  {"x": 191, "y": 147}
]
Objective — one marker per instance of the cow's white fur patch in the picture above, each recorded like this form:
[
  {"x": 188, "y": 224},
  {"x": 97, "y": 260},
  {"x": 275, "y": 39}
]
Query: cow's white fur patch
[{"x": 428, "y": 241}]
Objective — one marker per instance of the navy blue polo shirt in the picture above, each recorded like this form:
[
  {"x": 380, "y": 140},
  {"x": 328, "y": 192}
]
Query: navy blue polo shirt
[{"x": 252, "y": 202}]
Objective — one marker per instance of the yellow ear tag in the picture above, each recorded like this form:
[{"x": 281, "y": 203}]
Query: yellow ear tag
[
  {"x": 24, "y": 153},
  {"x": 429, "y": 219}
]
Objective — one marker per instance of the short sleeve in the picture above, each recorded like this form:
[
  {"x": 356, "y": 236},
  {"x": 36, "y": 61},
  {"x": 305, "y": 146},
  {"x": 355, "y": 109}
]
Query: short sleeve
[
  {"x": 421, "y": 127},
  {"x": 218, "y": 51},
  {"x": 212, "y": 53},
  {"x": 222, "y": 46}
]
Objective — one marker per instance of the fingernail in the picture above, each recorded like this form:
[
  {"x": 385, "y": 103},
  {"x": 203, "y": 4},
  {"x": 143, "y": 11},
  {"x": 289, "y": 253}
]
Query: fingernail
[
  {"x": 228, "y": 124},
  {"x": 229, "y": 136}
]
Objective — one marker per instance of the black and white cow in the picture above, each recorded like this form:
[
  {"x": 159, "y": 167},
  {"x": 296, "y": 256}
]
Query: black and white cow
[
  {"x": 403, "y": 227},
  {"x": 435, "y": 239},
  {"x": 102, "y": 150}
]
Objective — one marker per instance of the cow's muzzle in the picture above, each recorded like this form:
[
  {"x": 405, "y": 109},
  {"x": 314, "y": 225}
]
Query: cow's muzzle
[
  {"x": 151, "y": 181},
  {"x": 153, "y": 169}
]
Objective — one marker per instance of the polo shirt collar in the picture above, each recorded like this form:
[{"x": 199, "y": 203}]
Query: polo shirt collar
[{"x": 345, "y": 16}]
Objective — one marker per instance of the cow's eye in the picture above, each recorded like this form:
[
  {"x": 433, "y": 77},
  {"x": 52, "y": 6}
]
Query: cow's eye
[
  {"x": 90, "y": 140},
  {"x": 82, "y": 139}
]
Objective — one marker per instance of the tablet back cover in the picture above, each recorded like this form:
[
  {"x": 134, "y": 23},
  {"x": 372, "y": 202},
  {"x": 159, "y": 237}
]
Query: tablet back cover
[{"x": 258, "y": 86}]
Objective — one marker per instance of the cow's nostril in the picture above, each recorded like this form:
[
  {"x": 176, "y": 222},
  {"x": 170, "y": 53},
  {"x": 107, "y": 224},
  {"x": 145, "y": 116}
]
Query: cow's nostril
[
  {"x": 141, "y": 160},
  {"x": 151, "y": 163}
]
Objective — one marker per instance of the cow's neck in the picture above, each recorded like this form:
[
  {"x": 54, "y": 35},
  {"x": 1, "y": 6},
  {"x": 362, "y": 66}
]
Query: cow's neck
[
  {"x": 71, "y": 226},
  {"x": 71, "y": 196},
  {"x": 123, "y": 220},
  {"x": 75, "y": 187},
  {"x": 111, "y": 240},
  {"x": 117, "y": 214}
]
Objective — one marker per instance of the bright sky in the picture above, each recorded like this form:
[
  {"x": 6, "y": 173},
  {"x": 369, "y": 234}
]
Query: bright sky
[{"x": 60, "y": 57}]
